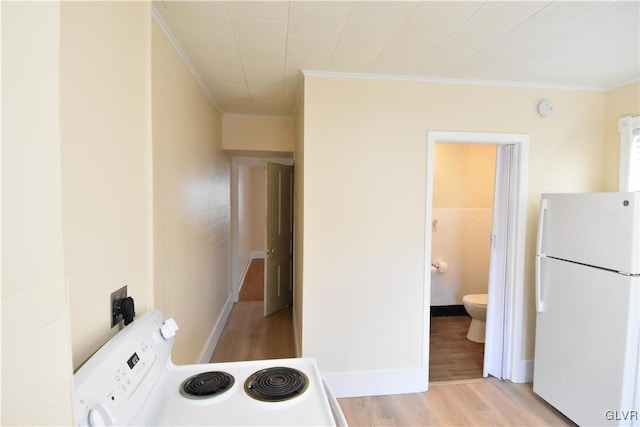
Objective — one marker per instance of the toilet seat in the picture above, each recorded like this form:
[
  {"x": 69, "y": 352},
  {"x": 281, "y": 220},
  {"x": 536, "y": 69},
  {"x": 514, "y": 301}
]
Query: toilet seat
[{"x": 476, "y": 299}]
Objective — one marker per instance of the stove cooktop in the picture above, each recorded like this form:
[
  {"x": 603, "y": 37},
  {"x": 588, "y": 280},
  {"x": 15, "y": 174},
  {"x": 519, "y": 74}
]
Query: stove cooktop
[{"x": 235, "y": 406}]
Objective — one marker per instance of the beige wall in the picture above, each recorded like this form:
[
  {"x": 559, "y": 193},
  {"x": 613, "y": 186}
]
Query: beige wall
[
  {"x": 463, "y": 175},
  {"x": 621, "y": 102},
  {"x": 258, "y": 212},
  {"x": 251, "y": 212},
  {"x": 191, "y": 203},
  {"x": 258, "y": 133},
  {"x": 244, "y": 216},
  {"x": 36, "y": 346},
  {"x": 87, "y": 170},
  {"x": 105, "y": 53},
  {"x": 365, "y": 197}
]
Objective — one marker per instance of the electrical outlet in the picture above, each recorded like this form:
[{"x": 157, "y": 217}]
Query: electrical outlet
[{"x": 116, "y": 295}]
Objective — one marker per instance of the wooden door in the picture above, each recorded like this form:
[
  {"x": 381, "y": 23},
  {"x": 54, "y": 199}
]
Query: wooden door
[{"x": 278, "y": 282}]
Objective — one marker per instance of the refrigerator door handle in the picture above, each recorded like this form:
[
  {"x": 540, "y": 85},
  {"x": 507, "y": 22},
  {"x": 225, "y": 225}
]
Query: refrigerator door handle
[
  {"x": 539, "y": 303},
  {"x": 544, "y": 205}
]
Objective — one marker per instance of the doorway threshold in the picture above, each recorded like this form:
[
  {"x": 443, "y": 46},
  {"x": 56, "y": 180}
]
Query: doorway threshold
[{"x": 463, "y": 381}]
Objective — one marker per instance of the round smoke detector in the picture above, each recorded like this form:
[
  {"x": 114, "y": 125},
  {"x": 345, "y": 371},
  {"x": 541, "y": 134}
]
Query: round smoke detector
[{"x": 545, "y": 108}]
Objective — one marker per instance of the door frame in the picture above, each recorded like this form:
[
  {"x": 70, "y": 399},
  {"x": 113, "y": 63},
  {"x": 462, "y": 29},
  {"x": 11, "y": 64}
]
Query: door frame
[
  {"x": 516, "y": 368},
  {"x": 236, "y": 160}
]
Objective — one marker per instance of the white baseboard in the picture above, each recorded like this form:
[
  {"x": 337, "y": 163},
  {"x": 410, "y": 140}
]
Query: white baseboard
[
  {"x": 257, "y": 254},
  {"x": 374, "y": 383},
  {"x": 207, "y": 352}
]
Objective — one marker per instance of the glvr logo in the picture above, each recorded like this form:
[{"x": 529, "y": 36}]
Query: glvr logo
[{"x": 622, "y": 415}]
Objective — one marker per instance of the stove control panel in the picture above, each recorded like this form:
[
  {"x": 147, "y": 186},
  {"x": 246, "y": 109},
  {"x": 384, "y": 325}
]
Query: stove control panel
[
  {"x": 112, "y": 385},
  {"x": 129, "y": 374}
]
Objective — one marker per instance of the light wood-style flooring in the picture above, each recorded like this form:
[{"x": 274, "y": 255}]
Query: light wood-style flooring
[
  {"x": 248, "y": 335},
  {"x": 451, "y": 355},
  {"x": 253, "y": 284},
  {"x": 484, "y": 403}
]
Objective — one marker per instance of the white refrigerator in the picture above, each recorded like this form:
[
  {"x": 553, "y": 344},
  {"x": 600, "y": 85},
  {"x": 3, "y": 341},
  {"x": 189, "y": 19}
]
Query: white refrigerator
[{"x": 587, "y": 348}]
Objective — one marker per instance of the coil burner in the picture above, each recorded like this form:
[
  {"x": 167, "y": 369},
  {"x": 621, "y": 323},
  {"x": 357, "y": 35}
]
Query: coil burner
[
  {"x": 206, "y": 384},
  {"x": 276, "y": 384}
]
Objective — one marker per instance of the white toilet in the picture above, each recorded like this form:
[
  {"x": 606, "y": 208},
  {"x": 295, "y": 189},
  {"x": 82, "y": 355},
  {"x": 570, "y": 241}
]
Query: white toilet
[{"x": 476, "y": 306}]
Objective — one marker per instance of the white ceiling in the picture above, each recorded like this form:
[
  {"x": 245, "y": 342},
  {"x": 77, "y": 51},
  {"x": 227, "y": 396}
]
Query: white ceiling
[{"x": 249, "y": 54}]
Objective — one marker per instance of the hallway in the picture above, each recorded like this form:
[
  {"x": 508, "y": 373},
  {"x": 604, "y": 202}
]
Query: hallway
[{"x": 248, "y": 335}]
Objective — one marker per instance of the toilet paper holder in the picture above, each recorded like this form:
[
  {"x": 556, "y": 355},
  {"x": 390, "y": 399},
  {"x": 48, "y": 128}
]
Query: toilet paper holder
[{"x": 440, "y": 266}]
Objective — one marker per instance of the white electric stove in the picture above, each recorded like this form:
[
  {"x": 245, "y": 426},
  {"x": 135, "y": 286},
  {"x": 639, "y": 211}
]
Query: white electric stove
[{"x": 131, "y": 380}]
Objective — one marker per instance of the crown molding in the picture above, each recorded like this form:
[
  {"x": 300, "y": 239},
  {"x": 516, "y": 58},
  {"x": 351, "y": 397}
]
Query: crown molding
[
  {"x": 259, "y": 116},
  {"x": 183, "y": 55},
  {"x": 623, "y": 84},
  {"x": 424, "y": 79}
]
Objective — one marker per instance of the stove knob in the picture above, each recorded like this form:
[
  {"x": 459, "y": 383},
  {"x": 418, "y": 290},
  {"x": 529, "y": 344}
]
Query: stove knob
[
  {"x": 100, "y": 416},
  {"x": 168, "y": 329}
]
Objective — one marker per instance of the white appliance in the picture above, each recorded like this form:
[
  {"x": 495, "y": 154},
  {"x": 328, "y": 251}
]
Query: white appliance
[
  {"x": 587, "y": 362},
  {"x": 131, "y": 380}
]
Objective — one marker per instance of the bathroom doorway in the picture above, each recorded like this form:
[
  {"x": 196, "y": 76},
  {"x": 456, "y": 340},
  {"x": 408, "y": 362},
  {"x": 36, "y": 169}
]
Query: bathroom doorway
[
  {"x": 503, "y": 343},
  {"x": 463, "y": 199}
]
